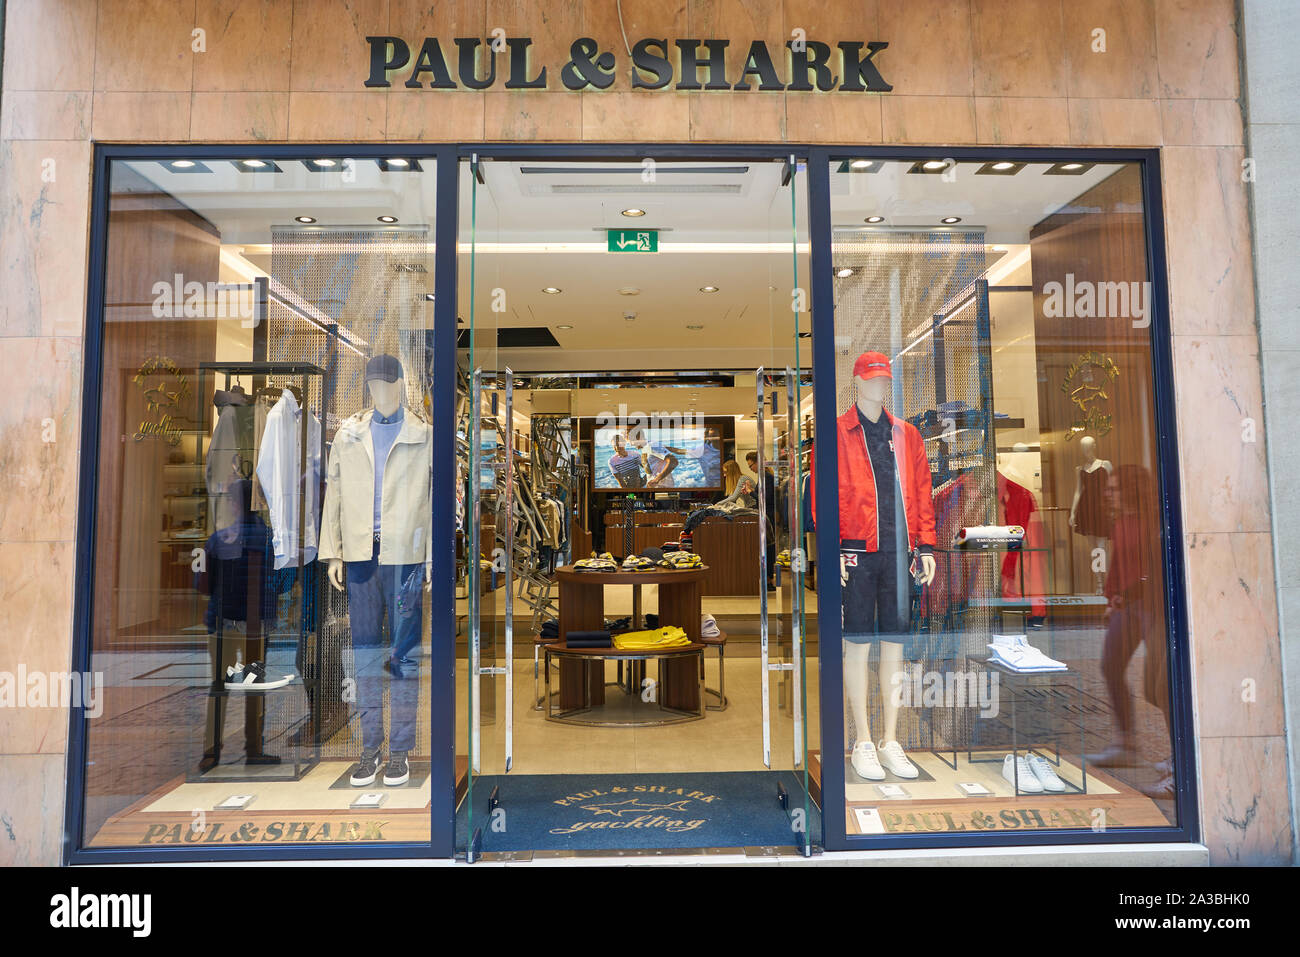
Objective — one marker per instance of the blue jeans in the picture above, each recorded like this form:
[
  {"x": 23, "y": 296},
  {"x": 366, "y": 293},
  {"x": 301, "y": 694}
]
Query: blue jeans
[{"x": 374, "y": 589}]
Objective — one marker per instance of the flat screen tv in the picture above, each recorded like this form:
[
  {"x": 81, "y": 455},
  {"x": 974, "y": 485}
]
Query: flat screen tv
[{"x": 657, "y": 459}]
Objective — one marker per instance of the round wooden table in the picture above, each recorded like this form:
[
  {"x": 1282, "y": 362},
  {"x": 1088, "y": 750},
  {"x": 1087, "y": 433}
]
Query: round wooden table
[
  {"x": 582, "y": 608},
  {"x": 670, "y": 662}
]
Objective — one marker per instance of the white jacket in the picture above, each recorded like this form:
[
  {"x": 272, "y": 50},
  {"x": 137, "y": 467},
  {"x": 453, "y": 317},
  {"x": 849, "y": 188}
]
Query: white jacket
[
  {"x": 279, "y": 470},
  {"x": 406, "y": 508}
]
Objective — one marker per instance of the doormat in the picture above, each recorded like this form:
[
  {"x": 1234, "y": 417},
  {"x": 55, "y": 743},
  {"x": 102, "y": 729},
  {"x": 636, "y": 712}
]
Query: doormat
[{"x": 601, "y": 812}]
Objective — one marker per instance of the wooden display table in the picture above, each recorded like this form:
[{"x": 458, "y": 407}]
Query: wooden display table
[
  {"x": 582, "y": 608},
  {"x": 681, "y": 678}
]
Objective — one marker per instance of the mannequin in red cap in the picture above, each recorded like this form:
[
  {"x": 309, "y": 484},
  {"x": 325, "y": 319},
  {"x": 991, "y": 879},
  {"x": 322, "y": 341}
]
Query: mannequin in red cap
[{"x": 886, "y": 533}]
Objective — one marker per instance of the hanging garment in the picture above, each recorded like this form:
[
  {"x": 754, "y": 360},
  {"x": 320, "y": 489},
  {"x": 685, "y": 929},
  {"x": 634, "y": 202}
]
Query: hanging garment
[
  {"x": 1016, "y": 506},
  {"x": 1091, "y": 515},
  {"x": 280, "y": 472},
  {"x": 230, "y": 462}
]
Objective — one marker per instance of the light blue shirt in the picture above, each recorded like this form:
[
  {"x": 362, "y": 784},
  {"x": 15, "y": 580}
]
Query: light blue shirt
[{"x": 383, "y": 433}]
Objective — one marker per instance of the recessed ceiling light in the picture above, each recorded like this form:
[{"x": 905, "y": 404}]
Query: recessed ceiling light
[
  {"x": 634, "y": 212},
  {"x": 305, "y": 219},
  {"x": 708, "y": 289},
  {"x": 564, "y": 326},
  {"x": 1068, "y": 169},
  {"x": 629, "y": 291},
  {"x": 1071, "y": 166},
  {"x": 935, "y": 164},
  {"x": 254, "y": 164},
  {"x": 1000, "y": 168},
  {"x": 860, "y": 164},
  {"x": 1003, "y": 165},
  {"x": 552, "y": 290},
  {"x": 398, "y": 161},
  {"x": 387, "y": 219},
  {"x": 183, "y": 164},
  {"x": 949, "y": 220},
  {"x": 325, "y": 162},
  {"x": 186, "y": 166},
  {"x": 874, "y": 219},
  {"x": 844, "y": 272}
]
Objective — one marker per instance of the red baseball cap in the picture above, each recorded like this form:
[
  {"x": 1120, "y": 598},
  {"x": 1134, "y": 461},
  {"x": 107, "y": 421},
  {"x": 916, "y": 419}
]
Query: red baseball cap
[{"x": 871, "y": 365}]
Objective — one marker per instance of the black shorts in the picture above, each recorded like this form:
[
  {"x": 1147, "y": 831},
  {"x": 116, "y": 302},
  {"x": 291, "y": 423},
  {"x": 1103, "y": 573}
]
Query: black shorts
[{"x": 876, "y": 597}]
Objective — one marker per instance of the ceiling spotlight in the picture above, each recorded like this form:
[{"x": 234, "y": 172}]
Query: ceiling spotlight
[
  {"x": 564, "y": 326},
  {"x": 860, "y": 164},
  {"x": 1068, "y": 169},
  {"x": 399, "y": 162},
  {"x": 634, "y": 212},
  {"x": 935, "y": 164},
  {"x": 708, "y": 289},
  {"x": 629, "y": 291},
  {"x": 186, "y": 166},
  {"x": 1072, "y": 166},
  {"x": 949, "y": 220},
  {"x": 324, "y": 162},
  {"x": 844, "y": 272},
  {"x": 874, "y": 219},
  {"x": 254, "y": 164},
  {"x": 552, "y": 290},
  {"x": 305, "y": 219},
  {"x": 387, "y": 219},
  {"x": 1003, "y": 165},
  {"x": 257, "y": 166},
  {"x": 183, "y": 164}
]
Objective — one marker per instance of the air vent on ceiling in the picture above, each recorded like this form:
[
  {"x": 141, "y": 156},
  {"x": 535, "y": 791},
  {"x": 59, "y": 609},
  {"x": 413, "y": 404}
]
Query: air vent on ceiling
[
  {"x": 516, "y": 337},
  {"x": 729, "y": 189}
]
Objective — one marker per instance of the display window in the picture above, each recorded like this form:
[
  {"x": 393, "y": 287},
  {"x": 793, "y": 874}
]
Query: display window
[
  {"x": 263, "y": 513},
  {"x": 522, "y": 500},
  {"x": 1005, "y": 643}
]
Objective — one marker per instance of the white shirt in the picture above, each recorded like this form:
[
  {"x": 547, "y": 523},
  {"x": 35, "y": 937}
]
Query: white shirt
[{"x": 279, "y": 469}]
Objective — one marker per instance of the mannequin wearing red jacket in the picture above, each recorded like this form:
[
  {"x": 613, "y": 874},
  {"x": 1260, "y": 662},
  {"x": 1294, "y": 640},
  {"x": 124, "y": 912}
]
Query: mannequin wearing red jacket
[{"x": 881, "y": 460}]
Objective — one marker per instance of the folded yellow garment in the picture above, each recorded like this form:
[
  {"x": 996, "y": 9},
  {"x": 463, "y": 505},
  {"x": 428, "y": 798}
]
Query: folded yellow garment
[{"x": 667, "y": 637}]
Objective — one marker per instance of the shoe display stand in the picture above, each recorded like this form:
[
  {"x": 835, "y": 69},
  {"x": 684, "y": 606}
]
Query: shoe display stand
[
  {"x": 1022, "y": 688},
  {"x": 281, "y": 727}
]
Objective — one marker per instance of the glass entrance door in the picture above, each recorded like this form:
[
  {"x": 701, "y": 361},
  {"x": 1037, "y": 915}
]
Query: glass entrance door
[{"x": 633, "y": 629}]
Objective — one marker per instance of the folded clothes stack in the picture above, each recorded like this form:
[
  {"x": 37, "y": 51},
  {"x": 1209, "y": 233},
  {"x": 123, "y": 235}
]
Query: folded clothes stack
[
  {"x": 1017, "y": 654},
  {"x": 651, "y": 619},
  {"x": 618, "y": 624},
  {"x": 709, "y": 627},
  {"x": 550, "y": 631},
  {"x": 652, "y": 640},
  {"x": 587, "y": 639}
]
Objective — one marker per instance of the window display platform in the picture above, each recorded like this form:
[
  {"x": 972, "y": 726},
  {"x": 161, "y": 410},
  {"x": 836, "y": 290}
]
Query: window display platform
[{"x": 933, "y": 802}]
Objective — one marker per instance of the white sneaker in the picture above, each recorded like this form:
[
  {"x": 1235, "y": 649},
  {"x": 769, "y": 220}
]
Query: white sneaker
[
  {"x": 865, "y": 762},
  {"x": 897, "y": 761},
  {"x": 1045, "y": 773},
  {"x": 1016, "y": 771}
]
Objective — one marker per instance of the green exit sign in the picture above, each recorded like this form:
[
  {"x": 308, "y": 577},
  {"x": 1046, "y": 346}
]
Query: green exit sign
[{"x": 633, "y": 240}]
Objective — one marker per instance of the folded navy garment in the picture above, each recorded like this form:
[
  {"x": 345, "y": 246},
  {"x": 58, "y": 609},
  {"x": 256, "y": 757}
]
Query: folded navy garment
[{"x": 588, "y": 639}]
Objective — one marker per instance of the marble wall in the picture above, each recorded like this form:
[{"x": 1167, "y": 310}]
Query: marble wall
[{"x": 1006, "y": 72}]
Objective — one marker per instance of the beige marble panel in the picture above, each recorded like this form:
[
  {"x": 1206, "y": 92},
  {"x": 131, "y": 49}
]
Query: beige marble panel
[
  {"x": 636, "y": 116},
  {"x": 1106, "y": 122},
  {"x": 1201, "y": 122},
  {"x": 339, "y": 116},
  {"x": 135, "y": 117},
  {"x": 413, "y": 20},
  {"x": 1233, "y": 605},
  {"x": 435, "y": 115},
  {"x": 1224, "y": 479},
  {"x": 929, "y": 47},
  {"x": 928, "y": 119},
  {"x": 39, "y": 428},
  {"x": 551, "y": 34},
  {"x": 31, "y": 810},
  {"x": 248, "y": 45},
  {"x": 1245, "y": 813},
  {"x": 1126, "y": 68},
  {"x": 35, "y": 634},
  {"x": 240, "y": 116},
  {"x": 45, "y": 116},
  {"x": 1196, "y": 46},
  {"x": 1207, "y": 235},
  {"x": 330, "y": 51},
  {"x": 832, "y": 118},
  {"x": 49, "y": 45},
  {"x": 523, "y": 115},
  {"x": 752, "y": 116},
  {"x": 659, "y": 19},
  {"x": 148, "y": 48},
  {"x": 1024, "y": 120},
  {"x": 740, "y": 22},
  {"x": 44, "y": 208},
  {"x": 1019, "y": 47}
]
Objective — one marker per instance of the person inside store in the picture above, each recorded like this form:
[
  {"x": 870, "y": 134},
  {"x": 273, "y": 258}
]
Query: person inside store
[
  {"x": 376, "y": 537},
  {"x": 769, "y": 494}
]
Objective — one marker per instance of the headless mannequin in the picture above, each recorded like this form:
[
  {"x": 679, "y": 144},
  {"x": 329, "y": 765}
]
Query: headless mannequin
[
  {"x": 1091, "y": 462},
  {"x": 387, "y": 397},
  {"x": 871, "y": 403}
]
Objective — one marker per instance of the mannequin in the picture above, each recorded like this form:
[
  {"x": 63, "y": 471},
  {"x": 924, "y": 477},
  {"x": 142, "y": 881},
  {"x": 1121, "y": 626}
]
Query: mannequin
[
  {"x": 886, "y": 515},
  {"x": 375, "y": 535},
  {"x": 1089, "y": 514}
]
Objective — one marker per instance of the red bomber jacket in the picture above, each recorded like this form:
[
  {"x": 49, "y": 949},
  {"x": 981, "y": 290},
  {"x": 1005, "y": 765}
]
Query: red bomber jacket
[{"x": 858, "y": 484}]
